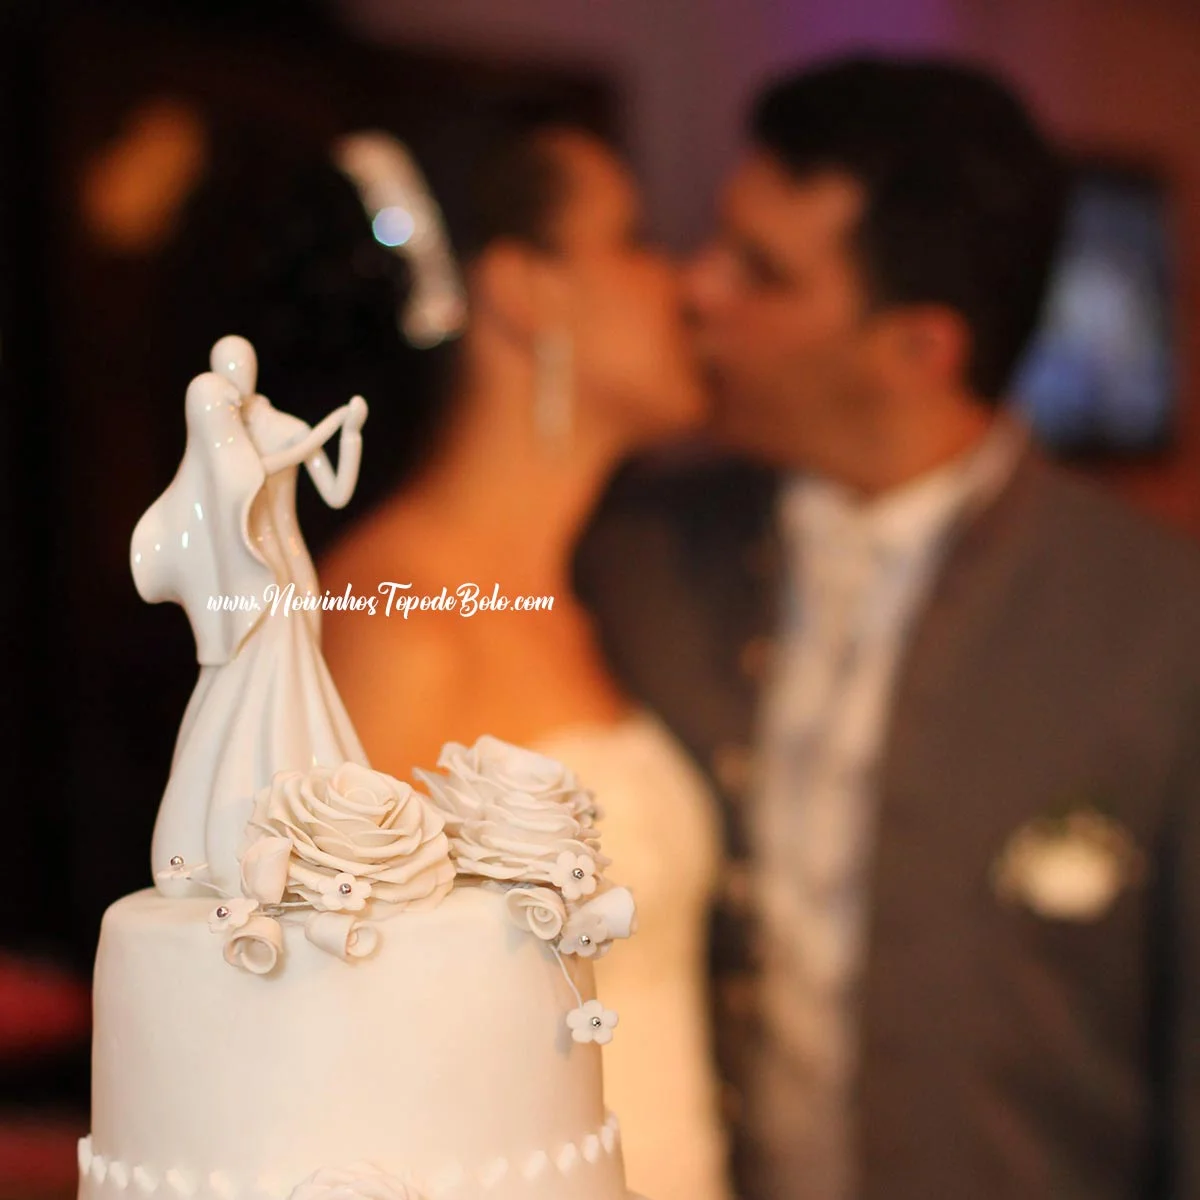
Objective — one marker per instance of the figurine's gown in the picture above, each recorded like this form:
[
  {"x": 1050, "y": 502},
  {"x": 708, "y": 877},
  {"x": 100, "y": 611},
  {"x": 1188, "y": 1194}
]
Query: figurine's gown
[{"x": 221, "y": 533}]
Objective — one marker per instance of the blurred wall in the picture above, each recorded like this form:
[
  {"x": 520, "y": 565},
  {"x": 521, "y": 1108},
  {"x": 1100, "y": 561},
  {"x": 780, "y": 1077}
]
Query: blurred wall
[{"x": 1115, "y": 76}]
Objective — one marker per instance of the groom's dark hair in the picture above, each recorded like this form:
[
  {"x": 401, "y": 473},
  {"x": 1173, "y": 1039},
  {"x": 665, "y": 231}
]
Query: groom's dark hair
[{"x": 964, "y": 195}]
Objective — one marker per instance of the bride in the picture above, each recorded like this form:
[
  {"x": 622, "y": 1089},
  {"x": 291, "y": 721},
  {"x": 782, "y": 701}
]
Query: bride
[
  {"x": 573, "y": 356},
  {"x": 221, "y": 541}
]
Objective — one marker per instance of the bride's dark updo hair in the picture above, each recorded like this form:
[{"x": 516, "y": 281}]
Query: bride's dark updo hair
[{"x": 275, "y": 245}]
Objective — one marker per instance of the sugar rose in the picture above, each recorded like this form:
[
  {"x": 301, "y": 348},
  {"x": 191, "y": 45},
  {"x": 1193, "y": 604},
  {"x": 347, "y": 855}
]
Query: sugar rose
[
  {"x": 511, "y": 813},
  {"x": 538, "y": 909},
  {"x": 360, "y": 840}
]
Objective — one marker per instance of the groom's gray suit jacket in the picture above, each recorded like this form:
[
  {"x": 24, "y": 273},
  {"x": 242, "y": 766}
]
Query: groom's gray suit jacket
[{"x": 1005, "y": 1055}]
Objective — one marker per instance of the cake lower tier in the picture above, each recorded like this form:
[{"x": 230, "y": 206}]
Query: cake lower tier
[{"x": 443, "y": 1061}]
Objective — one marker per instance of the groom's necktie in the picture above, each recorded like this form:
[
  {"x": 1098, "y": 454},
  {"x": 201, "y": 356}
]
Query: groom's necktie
[
  {"x": 856, "y": 573},
  {"x": 809, "y": 847}
]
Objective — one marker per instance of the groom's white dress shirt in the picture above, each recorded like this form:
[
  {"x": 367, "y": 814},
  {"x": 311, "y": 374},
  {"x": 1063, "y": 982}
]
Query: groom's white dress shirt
[{"x": 856, "y": 575}]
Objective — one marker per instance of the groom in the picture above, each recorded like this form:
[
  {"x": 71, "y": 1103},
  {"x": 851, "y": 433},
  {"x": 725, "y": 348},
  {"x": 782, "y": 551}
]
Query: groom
[{"x": 950, "y": 696}]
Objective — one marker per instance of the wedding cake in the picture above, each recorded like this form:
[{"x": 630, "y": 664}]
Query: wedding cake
[{"x": 342, "y": 986}]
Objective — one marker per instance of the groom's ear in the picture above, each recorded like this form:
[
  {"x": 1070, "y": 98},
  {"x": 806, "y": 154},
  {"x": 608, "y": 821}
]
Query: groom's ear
[{"x": 926, "y": 346}]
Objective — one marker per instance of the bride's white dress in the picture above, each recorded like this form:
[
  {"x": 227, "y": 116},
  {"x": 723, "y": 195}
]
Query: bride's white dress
[{"x": 660, "y": 828}]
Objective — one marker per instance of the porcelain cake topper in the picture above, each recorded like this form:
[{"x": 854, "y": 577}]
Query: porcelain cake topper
[
  {"x": 227, "y": 526},
  {"x": 271, "y": 809}
]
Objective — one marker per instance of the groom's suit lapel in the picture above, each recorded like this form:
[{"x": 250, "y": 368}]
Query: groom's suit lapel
[
  {"x": 948, "y": 794},
  {"x": 946, "y": 693}
]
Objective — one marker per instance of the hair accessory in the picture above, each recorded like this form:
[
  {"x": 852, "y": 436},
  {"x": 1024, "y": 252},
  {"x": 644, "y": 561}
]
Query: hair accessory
[{"x": 406, "y": 218}]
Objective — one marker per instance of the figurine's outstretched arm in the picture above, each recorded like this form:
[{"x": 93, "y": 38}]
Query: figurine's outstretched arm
[{"x": 335, "y": 487}]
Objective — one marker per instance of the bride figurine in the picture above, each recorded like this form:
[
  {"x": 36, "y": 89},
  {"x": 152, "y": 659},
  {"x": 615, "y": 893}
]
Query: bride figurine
[{"x": 223, "y": 542}]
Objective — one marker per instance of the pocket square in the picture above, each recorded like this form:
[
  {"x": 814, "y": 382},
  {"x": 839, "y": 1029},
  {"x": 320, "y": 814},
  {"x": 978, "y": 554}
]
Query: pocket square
[{"x": 1069, "y": 868}]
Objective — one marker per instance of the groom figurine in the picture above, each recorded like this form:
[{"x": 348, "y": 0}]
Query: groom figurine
[{"x": 950, "y": 695}]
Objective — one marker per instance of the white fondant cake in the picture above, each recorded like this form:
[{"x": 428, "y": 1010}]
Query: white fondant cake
[
  {"x": 443, "y": 1057},
  {"x": 371, "y": 992}
]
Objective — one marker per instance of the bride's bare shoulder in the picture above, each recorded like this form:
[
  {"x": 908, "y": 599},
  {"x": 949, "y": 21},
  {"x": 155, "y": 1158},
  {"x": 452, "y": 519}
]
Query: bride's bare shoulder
[
  {"x": 361, "y": 550},
  {"x": 398, "y": 676},
  {"x": 401, "y": 681}
]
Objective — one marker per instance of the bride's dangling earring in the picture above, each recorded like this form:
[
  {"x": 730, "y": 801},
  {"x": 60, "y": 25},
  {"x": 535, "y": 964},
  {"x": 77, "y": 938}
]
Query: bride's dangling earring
[{"x": 553, "y": 401}]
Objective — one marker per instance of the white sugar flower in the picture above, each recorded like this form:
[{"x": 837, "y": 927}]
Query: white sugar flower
[
  {"x": 265, "y": 864},
  {"x": 510, "y": 813},
  {"x": 256, "y": 946},
  {"x": 614, "y": 906},
  {"x": 348, "y": 823},
  {"x": 344, "y": 893},
  {"x": 593, "y": 926},
  {"x": 342, "y": 934},
  {"x": 585, "y": 934},
  {"x": 179, "y": 878},
  {"x": 592, "y": 1022},
  {"x": 232, "y": 913},
  {"x": 574, "y": 875},
  {"x": 538, "y": 909}
]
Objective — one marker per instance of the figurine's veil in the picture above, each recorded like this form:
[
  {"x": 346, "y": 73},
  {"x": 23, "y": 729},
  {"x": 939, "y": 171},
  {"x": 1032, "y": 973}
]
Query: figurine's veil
[{"x": 193, "y": 546}]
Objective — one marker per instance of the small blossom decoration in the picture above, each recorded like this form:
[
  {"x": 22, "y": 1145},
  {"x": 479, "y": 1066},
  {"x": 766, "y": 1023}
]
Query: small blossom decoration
[
  {"x": 591, "y": 927},
  {"x": 574, "y": 875},
  {"x": 232, "y": 913},
  {"x": 592, "y": 1022},
  {"x": 344, "y": 893},
  {"x": 179, "y": 878},
  {"x": 586, "y": 935}
]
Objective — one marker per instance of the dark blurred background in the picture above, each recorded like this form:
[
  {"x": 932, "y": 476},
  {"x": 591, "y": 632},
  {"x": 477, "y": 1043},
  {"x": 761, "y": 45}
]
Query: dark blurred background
[{"x": 112, "y": 114}]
